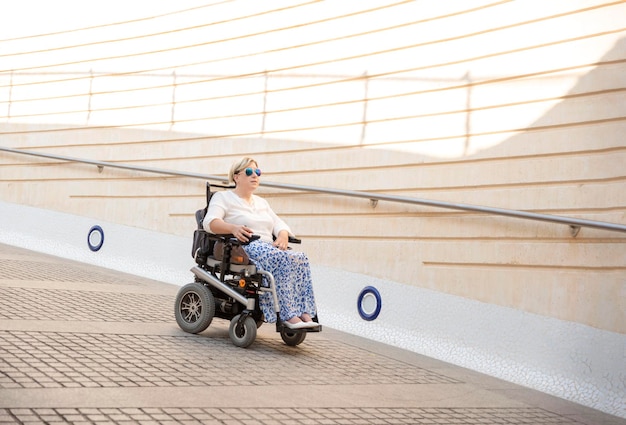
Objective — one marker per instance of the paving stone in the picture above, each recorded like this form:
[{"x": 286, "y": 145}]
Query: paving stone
[
  {"x": 57, "y": 304},
  {"x": 184, "y": 361}
]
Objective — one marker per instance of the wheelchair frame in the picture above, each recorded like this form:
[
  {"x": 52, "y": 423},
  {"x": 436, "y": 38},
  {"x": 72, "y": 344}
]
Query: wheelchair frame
[{"x": 228, "y": 290}]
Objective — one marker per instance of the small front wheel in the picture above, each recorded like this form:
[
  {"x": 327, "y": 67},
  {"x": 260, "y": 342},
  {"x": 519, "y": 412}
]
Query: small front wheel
[
  {"x": 292, "y": 338},
  {"x": 194, "y": 308},
  {"x": 244, "y": 334}
]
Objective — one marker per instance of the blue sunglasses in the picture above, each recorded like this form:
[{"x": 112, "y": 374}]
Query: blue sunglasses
[{"x": 249, "y": 171}]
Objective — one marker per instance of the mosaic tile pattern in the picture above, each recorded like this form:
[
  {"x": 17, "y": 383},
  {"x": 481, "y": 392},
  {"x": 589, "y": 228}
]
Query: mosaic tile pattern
[
  {"x": 65, "y": 360},
  {"x": 290, "y": 416}
]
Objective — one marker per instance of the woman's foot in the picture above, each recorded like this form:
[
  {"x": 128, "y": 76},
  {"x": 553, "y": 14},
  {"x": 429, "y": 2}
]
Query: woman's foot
[
  {"x": 306, "y": 319},
  {"x": 295, "y": 323}
]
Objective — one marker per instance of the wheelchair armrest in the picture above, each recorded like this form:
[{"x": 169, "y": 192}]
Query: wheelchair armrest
[
  {"x": 230, "y": 238},
  {"x": 290, "y": 239}
]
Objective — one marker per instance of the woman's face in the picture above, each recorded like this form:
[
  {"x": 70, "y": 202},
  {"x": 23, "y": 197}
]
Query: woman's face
[{"x": 246, "y": 182}]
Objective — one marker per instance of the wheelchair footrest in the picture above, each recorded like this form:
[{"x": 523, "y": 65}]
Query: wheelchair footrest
[{"x": 282, "y": 327}]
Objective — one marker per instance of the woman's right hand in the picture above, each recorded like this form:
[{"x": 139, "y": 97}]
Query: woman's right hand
[
  {"x": 239, "y": 231},
  {"x": 242, "y": 232}
]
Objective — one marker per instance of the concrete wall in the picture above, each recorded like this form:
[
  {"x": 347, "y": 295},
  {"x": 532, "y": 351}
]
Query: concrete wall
[{"x": 508, "y": 104}]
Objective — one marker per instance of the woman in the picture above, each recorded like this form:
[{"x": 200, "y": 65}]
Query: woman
[{"x": 242, "y": 213}]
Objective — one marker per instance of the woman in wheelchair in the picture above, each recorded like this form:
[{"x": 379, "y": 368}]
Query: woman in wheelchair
[{"x": 242, "y": 213}]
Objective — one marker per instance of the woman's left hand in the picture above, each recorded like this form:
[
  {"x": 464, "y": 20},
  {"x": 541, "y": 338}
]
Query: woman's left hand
[{"x": 282, "y": 241}]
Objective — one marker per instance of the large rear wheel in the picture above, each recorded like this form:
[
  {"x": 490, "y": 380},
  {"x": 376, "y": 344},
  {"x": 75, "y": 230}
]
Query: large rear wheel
[{"x": 194, "y": 308}]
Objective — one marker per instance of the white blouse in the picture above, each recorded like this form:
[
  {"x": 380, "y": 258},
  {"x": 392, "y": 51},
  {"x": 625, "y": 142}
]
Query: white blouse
[{"x": 258, "y": 215}]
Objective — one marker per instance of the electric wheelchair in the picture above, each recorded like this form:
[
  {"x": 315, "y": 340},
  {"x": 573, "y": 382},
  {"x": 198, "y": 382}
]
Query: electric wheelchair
[{"x": 228, "y": 286}]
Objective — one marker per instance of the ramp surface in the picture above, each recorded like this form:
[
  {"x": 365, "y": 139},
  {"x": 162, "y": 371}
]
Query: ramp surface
[{"x": 82, "y": 344}]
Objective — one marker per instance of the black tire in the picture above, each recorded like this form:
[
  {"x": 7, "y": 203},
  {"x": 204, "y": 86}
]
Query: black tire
[
  {"x": 292, "y": 338},
  {"x": 245, "y": 335},
  {"x": 194, "y": 308}
]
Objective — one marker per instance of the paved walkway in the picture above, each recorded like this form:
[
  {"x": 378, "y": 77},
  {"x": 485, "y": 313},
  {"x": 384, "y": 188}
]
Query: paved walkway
[{"x": 81, "y": 344}]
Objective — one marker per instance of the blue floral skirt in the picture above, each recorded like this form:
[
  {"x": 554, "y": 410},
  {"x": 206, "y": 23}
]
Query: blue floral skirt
[{"x": 292, "y": 274}]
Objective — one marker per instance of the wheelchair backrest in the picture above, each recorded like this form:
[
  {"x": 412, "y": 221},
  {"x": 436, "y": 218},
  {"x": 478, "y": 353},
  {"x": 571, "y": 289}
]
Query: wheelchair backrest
[
  {"x": 200, "y": 214},
  {"x": 202, "y": 246}
]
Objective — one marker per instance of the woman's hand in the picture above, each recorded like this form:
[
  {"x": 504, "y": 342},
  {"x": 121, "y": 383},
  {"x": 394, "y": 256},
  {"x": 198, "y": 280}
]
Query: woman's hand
[
  {"x": 242, "y": 232},
  {"x": 239, "y": 231},
  {"x": 282, "y": 240}
]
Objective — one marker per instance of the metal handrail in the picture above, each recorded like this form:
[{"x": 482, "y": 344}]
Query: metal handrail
[{"x": 574, "y": 223}]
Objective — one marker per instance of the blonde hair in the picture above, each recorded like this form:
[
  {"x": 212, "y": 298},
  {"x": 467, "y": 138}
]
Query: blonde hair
[{"x": 242, "y": 164}]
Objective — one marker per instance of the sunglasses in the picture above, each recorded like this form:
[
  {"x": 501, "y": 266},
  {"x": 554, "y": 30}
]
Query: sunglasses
[{"x": 249, "y": 171}]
